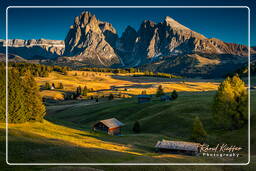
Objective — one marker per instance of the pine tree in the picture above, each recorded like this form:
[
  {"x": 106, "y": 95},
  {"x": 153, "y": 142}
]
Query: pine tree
[
  {"x": 47, "y": 86},
  {"x": 136, "y": 127},
  {"x": 174, "y": 95},
  {"x": 111, "y": 96},
  {"x": 78, "y": 91},
  {"x": 17, "y": 111},
  {"x": 198, "y": 132},
  {"x": 160, "y": 91},
  {"x": 33, "y": 100},
  {"x": 85, "y": 91},
  {"x": 2, "y": 92},
  {"x": 61, "y": 86},
  {"x": 144, "y": 92},
  {"x": 230, "y": 109}
]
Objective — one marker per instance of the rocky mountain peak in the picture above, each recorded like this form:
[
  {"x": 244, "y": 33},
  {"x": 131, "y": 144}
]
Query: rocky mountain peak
[
  {"x": 174, "y": 24},
  {"x": 91, "y": 41}
]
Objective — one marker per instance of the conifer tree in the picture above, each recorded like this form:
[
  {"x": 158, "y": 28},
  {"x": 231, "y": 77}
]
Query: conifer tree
[
  {"x": 160, "y": 91},
  {"x": 78, "y": 91},
  {"x": 2, "y": 92},
  {"x": 32, "y": 98},
  {"x": 111, "y": 96},
  {"x": 17, "y": 111},
  {"x": 61, "y": 86},
  {"x": 198, "y": 132},
  {"x": 136, "y": 127},
  {"x": 144, "y": 92},
  {"x": 47, "y": 86},
  {"x": 85, "y": 91},
  {"x": 174, "y": 95}
]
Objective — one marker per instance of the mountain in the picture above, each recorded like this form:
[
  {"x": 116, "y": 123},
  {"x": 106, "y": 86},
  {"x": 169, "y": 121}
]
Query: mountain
[
  {"x": 34, "y": 49},
  {"x": 170, "y": 38},
  {"x": 167, "y": 46},
  {"x": 91, "y": 41}
]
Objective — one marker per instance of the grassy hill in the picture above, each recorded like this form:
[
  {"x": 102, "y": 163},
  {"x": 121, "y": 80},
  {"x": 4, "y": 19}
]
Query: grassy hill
[{"x": 66, "y": 136}]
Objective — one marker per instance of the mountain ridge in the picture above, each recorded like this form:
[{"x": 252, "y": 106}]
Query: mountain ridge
[{"x": 91, "y": 42}]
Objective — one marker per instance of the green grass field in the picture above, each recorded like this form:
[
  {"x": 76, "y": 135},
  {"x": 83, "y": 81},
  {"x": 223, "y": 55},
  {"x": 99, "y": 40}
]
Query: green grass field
[{"x": 66, "y": 136}]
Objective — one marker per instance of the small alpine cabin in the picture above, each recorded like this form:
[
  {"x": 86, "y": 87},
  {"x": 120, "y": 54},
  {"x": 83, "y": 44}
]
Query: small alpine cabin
[
  {"x": 144, "y": 98},
  {"x": 184, "y": 147},
  {"x": 165, "y": 98},
  {"x": 111, "y": 126}
]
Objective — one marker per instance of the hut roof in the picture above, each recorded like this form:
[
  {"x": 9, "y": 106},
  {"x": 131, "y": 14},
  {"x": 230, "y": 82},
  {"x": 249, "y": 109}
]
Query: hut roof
[
  {"x": 144, "y": 96},
  {"x": 178, "y": 145},
  {"x": 112, "y": 123}
]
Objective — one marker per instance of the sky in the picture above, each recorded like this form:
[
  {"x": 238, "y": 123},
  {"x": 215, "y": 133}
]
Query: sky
[{"x": 229, "y": 25}]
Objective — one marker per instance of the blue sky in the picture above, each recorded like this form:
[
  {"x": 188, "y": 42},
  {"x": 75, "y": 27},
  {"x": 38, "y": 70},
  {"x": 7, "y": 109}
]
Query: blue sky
[{"x": 229, "y": 25}]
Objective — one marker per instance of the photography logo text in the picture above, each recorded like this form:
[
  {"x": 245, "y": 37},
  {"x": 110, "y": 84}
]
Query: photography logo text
[{"x": 220, "y": 150}]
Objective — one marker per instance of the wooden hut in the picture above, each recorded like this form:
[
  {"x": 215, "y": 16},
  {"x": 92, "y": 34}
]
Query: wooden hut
[
  {"x": 144, "y": 98},
  {"x": 111, "y": 126},
  {"x": 165, "y": 98},
  {"x": 190, "y": 148}
]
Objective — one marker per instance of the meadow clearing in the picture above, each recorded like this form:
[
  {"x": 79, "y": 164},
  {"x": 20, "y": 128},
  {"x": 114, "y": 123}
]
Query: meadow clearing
[{"x": 126, "y": 84}]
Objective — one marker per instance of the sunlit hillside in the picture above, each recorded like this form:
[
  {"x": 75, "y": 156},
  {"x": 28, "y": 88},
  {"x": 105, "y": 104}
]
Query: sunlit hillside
[{"x": 125, "y": 84}]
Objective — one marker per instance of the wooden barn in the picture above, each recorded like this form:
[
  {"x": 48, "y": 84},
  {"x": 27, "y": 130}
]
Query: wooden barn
[
  {"x": 184, "y": 147},
  {"x": 165, "y": 98},
  {"x": 144, "y": 98},
  {"x": 111, "y": 126}
]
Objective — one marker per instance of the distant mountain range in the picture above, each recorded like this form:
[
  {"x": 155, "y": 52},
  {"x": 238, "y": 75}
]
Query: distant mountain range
[{"x": 167, "y": 46}]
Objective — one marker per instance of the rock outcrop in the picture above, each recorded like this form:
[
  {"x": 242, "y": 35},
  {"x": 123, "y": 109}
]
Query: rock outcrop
[
  {"x": 34, "y": 49},
  {"x": 89, "y": 40}
]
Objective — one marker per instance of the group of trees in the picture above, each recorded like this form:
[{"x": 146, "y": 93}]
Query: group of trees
[
  {"x": 156, "y": 74},
  {"x": 160, "y": 92},
  {"x": 112, "y": 70},
  {"x": 230, "y": 108},
  {"x": 47, "y": 86},
  {"x": 38, "y": 70},
  {"x": 24, "y": 101}
]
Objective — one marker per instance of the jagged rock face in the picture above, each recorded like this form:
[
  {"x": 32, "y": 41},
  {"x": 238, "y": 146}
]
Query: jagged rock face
[
  {"x": 125, "y": 45},
  {"x": 34, "y": 49},
  {"x": 87, "y": 41},
  {"x": 170, "y": 38}
]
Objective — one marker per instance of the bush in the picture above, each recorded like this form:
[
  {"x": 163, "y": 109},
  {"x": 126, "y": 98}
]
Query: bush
[
  {"x": 198, "y": 132},
  {"x": 136, "y": 127}
]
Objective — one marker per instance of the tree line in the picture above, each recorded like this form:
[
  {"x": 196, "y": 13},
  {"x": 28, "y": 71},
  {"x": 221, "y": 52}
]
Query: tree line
[{"x": 38, "y": 70}]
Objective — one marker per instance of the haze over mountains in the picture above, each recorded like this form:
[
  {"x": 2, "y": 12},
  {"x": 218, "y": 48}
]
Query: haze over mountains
[{"x": 167, "y": 46}]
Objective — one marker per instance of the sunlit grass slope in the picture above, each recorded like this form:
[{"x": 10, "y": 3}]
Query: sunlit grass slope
[{"x": 107, "y": 83}]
